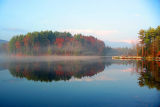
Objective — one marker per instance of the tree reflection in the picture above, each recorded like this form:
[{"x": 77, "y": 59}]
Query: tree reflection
[
  {"x": 149, "y": 74},
  {"x": 60, "y": 70}
]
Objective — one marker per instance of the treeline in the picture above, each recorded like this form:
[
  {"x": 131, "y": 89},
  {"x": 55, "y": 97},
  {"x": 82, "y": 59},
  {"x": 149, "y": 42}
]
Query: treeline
[
  {"x": 149, "y": 44},
  {"x": 55, "y": 43}
]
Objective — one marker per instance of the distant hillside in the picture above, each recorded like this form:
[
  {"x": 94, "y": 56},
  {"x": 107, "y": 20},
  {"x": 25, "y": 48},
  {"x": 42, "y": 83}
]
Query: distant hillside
[
  {"x": 117, "y": 44},
  {"x": 3, "y": 47},
  {"x": 2, "y": 41}
]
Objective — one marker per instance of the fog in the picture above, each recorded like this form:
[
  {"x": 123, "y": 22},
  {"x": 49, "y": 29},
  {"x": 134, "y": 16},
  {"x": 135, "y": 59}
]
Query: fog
[{"x": 11, "y": 58}]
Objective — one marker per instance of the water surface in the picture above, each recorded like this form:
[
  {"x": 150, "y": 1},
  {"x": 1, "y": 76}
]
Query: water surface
[{"x": 79, "y": 83}]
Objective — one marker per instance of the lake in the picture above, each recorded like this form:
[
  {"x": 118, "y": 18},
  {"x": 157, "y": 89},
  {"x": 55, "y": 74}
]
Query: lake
[{"x": 96, "y": 82}]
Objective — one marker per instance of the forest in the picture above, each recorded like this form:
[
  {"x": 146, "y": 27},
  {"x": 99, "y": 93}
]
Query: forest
[
  {"x": 55, "y": 43},
  {"x": 149, "y": 44}
]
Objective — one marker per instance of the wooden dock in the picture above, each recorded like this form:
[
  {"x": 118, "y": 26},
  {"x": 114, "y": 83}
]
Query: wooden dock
[
  {"x": 128, "y": 57},
  {"x": 136, "y": 58}
]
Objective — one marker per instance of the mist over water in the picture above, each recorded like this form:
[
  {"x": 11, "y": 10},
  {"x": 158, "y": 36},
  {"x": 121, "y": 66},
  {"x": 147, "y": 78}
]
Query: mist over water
[{"x": 11, "y": 58}]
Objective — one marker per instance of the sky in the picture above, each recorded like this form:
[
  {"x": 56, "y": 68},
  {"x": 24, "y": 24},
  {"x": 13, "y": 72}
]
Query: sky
[{"x": 108, "y": 20}]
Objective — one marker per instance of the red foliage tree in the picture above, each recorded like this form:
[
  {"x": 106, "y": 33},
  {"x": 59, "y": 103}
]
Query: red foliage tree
[
  {"x": 18, "y": 45},
  {"x": 26, "y": 40},
  {"x": 59, "y": 42},
  {"x": 36, "y": 46}
]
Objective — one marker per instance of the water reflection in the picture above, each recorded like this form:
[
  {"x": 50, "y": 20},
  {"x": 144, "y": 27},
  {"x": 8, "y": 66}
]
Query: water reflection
[
  {"x": 148, "y": 71},
  {"x": 149, "y": 74},
  {"x": 61, "y": 70}
]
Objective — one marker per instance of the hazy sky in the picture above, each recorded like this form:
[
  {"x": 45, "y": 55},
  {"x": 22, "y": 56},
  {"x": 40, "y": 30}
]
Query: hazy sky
[{"x": 114, "y": 20}]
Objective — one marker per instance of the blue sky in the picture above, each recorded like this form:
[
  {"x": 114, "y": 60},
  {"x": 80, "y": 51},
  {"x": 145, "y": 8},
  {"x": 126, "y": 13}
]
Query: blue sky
[{"x": 114, "y": 20}]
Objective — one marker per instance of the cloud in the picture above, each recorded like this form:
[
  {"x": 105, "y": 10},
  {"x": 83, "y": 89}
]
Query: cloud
[
  {"x": 126, "y": 41},
  {"x": 14, "y": 30},
  {"x": 137, "y": 15},
  {"x": 100, "y": 34}
]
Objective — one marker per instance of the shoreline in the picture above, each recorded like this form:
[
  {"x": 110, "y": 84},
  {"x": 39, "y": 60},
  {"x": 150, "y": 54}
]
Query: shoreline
[{"x": 136, "y": 58}]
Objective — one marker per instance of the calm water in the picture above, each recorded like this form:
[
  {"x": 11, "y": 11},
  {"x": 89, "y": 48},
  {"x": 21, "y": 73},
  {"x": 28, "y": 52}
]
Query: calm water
[{"x": 78, "y": 83}]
